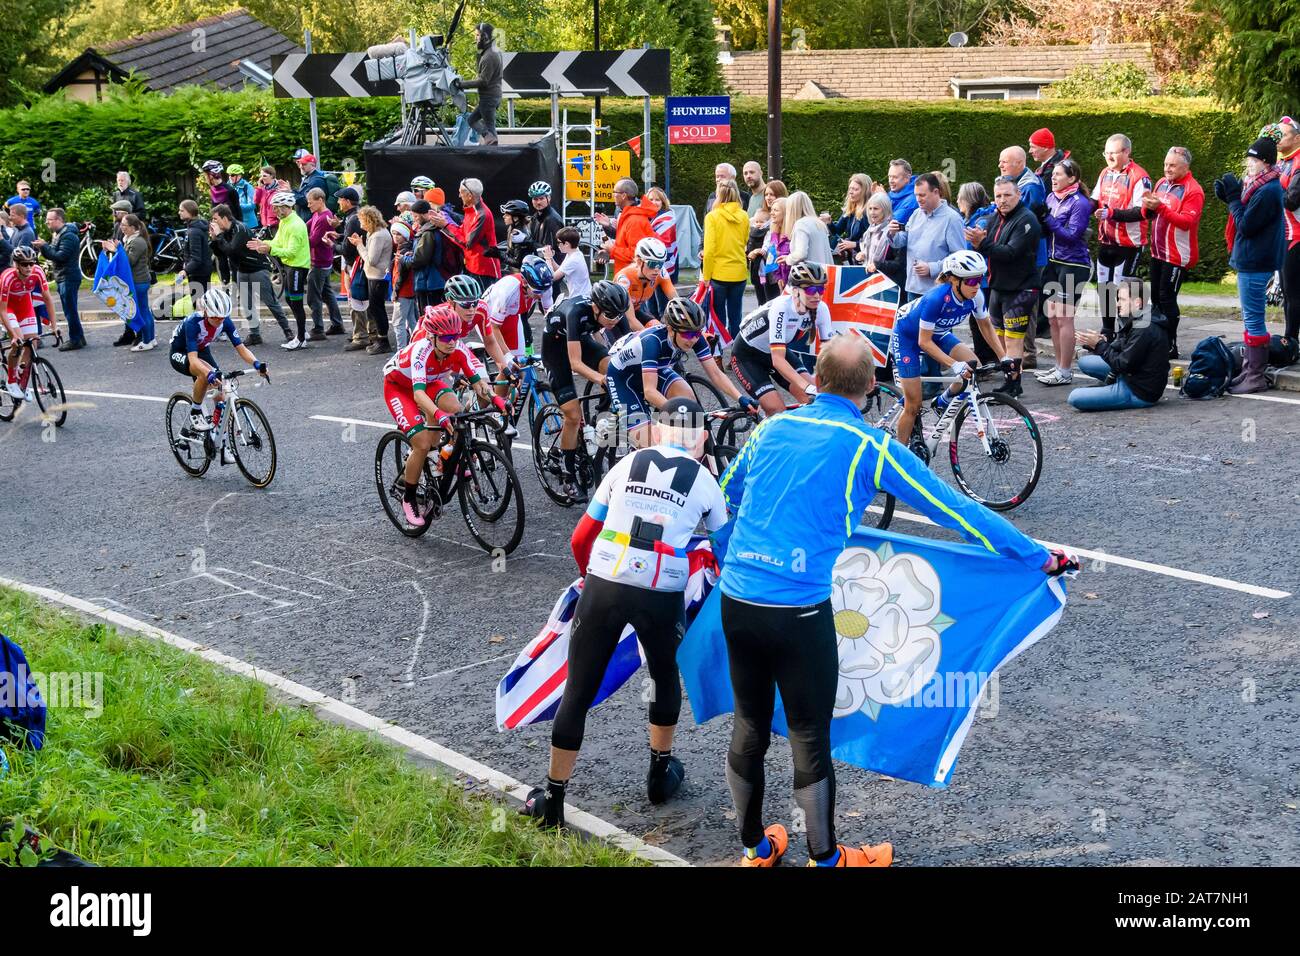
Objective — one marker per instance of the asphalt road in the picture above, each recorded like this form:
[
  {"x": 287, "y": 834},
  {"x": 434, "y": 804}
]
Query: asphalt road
[{"x": 1156, "y": 724}]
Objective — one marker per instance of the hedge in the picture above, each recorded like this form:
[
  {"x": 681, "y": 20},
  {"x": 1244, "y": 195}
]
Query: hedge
[{"x": 160, "y": 138}]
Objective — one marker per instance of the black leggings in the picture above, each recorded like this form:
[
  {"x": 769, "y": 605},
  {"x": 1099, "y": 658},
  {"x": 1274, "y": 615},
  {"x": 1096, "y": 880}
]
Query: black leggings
[
  {"x": 377, "y": 304},
  {"x": 295, "y": 288},
  {"x": 1166, "y": 280},
  {"x": 1291, "y": 290},
  {"x": 603, "y": 611},
  {"x": 1114, "y": 265},
  {"x": 793, "y": 648}
]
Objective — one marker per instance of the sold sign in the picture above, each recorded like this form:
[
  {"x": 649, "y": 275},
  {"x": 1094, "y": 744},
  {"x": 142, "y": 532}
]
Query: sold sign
[{"x": 698, "y": 119}]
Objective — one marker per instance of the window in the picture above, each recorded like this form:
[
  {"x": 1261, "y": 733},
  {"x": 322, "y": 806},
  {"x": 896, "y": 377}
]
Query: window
[{"x": 986, "y": 95}]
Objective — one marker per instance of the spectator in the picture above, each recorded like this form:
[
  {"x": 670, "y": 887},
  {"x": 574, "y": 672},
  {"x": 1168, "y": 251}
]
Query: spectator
[
  {"x": 1013, "y": 162},
  {"x": 762, "y": 271},
  {"x": 247, "y": 195},
  {"x": 220, "y": 189},
  {"x": 572, "y": 271},
  {"x": 847, "y": 231},
  {"x": 120, "y": 209},
  {"x": 376, "y": 249},
  {"x": 1256, "y": 239},
  {"x": 977, "y": 210},
  {"x": 931, "y": 233},
  {"x": 753, "y": 176},
  {"x": 1175, "y": 205},
  {"x": 1288, "y": 148},
  {"x": 126, "y": 191},
  {"x": 252, "y": 272},
  {"x": 348, "y": 200},
  {"x": 726, "y": 229},
  {"x": 21, "y": 232},
  {"x": 24, "y": 198},
  {"x": 320, "y": 293},
  {"x": 476, "y": 235},
  {"x": 426, "y": 255},
  {"x": 292, "y": 246},
  {"x": 809, "y": 241},
  {"x": 63, "y": 251},
  {"x": 138, "y": 254},
  {"x": 1121, "y": 223},
  {"x": 403, "y": 281},
  {"x": 1134, "y": 365},
  {"x": 196, "y": 270},
  {"x": 902, "y": 190},
  {"x": 6, "y": 247},
  {"x": 1068, "y": 267},
  {"x": 266, "y": 188},
  {"x": 546, "y": 221},
  {"x": 633, "y": 224},
  {"x": 664, "y": 225},
  {"x": 1010, "y": 244},
  {"x": 312, "y": 178},
  {"x": 724, "y": 173},
  {"x": 945, "y": 187},
  {"x": 1042, "y": 146},
  {"x": 877, "y": 253},
  {"x": 405, "y": 200},
  {"x": 776, "y": 247},
  {"x": 491, "y": 71}
]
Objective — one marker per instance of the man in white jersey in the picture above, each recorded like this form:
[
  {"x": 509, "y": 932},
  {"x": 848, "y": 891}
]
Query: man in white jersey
[{"x": 631, "y": 547}]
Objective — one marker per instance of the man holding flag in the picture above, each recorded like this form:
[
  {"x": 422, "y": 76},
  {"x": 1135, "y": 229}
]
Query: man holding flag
[{"x": 776, "y": 583}]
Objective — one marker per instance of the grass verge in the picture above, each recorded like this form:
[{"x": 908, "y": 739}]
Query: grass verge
[{"x": 188, "y": 765}]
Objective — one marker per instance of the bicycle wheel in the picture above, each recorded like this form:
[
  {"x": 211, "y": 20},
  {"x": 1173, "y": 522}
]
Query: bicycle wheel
[
  {"x": 253, "y": 443},
  {"x": 881, "y": 404},
  {"x": 8, "y": 404},
  {"x": 491, "y": 499},
  {"x": 548, "y": 460},
  {"x": 1004, "y": 476},
  {"x": 706, "y": 393},
  {"x": 89, "y": 260},
  {"x": 390, "y": 461},
  {"x": 187, "y": 446},
  {"x": 50, "y": 396}
]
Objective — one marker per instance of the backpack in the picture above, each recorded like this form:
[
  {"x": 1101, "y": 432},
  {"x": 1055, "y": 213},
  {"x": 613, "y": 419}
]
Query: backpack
[
  {"x": 1209, "y": 370},
  {"x": 1283, "y": 351},
  {"x": 22, "y": 711}
]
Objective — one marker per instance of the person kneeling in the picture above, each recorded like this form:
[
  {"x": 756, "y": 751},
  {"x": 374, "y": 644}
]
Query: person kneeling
[{"x": 1134, "y": 368}]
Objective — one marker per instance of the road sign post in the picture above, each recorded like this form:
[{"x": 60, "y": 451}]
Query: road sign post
[{"x": 311, "y": 104}]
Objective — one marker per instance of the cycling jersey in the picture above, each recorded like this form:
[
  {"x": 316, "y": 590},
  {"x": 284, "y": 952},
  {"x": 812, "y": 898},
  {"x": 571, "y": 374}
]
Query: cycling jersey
[
  {"x": 778, "y": 323},
  {"x": 784, "y": 554},
  {"x": 640, "y": 289},
  {"x": 20, "y": 298},
  {"x": 572, "y": 319},
  {"x": 505, "y": 304},
  {"x": 651, "y": 351},
  {"x": 940, "y": 310},
  {"x": 658, "y": 490},
  {"x": 1120, "y": 190},
  {"x": 421, "y": 365},
  {"x": 1289, "y": 167},
  {"x": 1173, "y": 233},
  {"x": 197, "y": 335}
]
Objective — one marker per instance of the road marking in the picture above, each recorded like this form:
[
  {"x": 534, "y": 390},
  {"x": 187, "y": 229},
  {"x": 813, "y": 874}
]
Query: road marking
[
  {"x": 1225, "y": 583},
  {"x": 387, "y": 426},
  {"x": 409, "y": 676},
  {"x": 465, "y": 667},
  {"x": 1256, "y": 396},
  {"x": 136, "y": 398},
  {"x": 299, "y": 574},
  {"x": 331, "y": 709}
]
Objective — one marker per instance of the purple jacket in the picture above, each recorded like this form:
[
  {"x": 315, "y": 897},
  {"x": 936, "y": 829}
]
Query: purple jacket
[{"x": 1066, "y": 227}]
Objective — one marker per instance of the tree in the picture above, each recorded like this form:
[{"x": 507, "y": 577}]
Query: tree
[
  {"x": 836, "y": 25},
  {"x": 1259, "y": 68},
  {"x": 28, "y": 43}
]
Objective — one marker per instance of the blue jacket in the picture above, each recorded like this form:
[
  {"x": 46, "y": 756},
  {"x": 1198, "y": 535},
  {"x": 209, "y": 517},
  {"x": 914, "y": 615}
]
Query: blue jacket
[
  {"x": 1259, "y": 244},
  {"x": 1033, "y": 195},
  {"x": 247, "y": 204},
  {"x": 313, "y": 180},
  {"x": 800, "y": 486},
  {"x": 904, "y": 201},
  {"x": 64, "y": 250},
  {"x": 1066, "y": 227}
]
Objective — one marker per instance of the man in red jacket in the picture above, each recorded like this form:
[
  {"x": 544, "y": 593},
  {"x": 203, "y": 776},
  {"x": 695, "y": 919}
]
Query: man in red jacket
[
  {"x": 1174, "y": 209},
  {"x": 1121, "y": 223},
  {"x": 476, "y": 234},
  {"x": 634, "y": 224}
]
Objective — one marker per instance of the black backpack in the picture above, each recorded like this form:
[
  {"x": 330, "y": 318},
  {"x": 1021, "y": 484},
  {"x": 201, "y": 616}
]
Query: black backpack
[
  {"x": 1209, "y": 370},
  {"x": 1283, "y": 351}
]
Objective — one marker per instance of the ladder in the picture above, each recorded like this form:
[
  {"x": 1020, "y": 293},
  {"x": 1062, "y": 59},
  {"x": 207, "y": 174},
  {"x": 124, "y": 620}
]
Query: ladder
[{"x": 581, "y": 136}]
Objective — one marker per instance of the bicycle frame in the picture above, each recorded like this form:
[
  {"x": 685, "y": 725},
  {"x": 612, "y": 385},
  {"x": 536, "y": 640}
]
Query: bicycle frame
[{"x": 985, "y": 428}]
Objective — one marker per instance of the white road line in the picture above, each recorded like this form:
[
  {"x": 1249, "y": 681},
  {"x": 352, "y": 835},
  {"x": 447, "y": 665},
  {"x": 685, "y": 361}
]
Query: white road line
[
  {"x": 1258, "y": 397},
  {"x": 136, "y": 398},
  {"x": 419, "y": 635},
  {"x": 269, "y": 584},
  {"x": 465, "y": 667},
  {"x": 332, "y": 709},
  {"x": 299, "y": 574},
  {"x": 1225, "y": 583},
  {"x": 387, "y": 426}
]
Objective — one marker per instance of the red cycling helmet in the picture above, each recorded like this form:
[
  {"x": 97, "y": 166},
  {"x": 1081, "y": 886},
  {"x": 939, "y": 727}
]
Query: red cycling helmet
[{"x": 441, "y": 320}]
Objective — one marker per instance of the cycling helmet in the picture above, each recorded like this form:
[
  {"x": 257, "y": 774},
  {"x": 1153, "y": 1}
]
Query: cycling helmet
[
  {"x": 652, "y": 251},
  {"x": 235, "y": 169},
  {"x": 536, "y": 273},
  {"x": 539, "y": 188},
  {"x": 804, "y": 274},
  {"x": 212, "y": 166},
  {"x": 965, "y": 264},
  {"x": 683, "y": 315},
  {"x": 463, "y": 290},
  {"x": 24, "y": 256},
  {"x": 515, "y": 207},
  {"x": 518, "y": 237},
  {"x": 611, "y": 298},
  {"x": 215, "y": 302},
  {"x": 421, "y": 182},
  {"x": 284, "y": 199},
  {"x": 440, "y": 320}
]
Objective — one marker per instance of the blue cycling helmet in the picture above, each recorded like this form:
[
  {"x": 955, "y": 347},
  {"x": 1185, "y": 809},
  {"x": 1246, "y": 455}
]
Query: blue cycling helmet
[
  {"x": 537, "y": 274},
  {"x": 539, "y": 188}
]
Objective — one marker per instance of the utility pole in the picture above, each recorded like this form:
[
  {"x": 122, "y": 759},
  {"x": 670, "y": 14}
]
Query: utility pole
[
  {"x": 773, "y": 89},
  {"x": 595, "y": 29}
]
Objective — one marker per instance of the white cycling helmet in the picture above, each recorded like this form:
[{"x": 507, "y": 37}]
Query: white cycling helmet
[
  {"x": 966, "y": 264},
  {"x": 215, "y": 302},
  {"x": 284, "y": 200},
  {"x": 652, "y": 251}
]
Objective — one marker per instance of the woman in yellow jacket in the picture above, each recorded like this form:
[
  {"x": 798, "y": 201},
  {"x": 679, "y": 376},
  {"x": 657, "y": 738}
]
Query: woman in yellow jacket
[{"x": 726, "y": 229}]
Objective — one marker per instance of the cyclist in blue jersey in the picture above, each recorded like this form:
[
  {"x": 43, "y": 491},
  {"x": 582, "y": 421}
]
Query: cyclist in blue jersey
[
  {"x": 191, "y": 351},
  {"x": 640, "y": 376},
  {"x": 923, "y": 339}
]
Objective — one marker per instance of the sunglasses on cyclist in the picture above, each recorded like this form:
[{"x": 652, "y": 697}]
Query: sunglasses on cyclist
[
  {"x": 971, "y": 282},
  {"x": 448, "y": 339},
  {"x": 814, "y": 289},
  {"x": 653, "y": 263},
  {"x": 689, "y": 336}
]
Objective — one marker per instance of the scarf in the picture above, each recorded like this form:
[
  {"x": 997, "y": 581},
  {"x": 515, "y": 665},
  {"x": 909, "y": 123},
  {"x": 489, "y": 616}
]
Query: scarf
[{"x": 1248, "y": 189}]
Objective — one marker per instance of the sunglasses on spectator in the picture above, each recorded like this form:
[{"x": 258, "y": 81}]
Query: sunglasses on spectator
[
  {"x": 814, "y": 289},
  {"x": 971, "y": 282}
]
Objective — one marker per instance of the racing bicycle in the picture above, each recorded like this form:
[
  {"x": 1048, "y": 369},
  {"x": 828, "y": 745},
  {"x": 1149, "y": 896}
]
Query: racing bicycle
[
  {"x": 39, "y": 379},
  {"x": 243, "y": 430}
]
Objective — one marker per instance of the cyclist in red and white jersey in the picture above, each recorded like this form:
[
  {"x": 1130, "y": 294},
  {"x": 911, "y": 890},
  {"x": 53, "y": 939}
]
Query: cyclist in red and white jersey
[
  {"x": 24, "y": 292},
  {"x": 512, "y": 297},
  {"x": 418, "y": 389},
  {"x": 1174, "y": 209},
  {"x": 1121, "y": 223}
]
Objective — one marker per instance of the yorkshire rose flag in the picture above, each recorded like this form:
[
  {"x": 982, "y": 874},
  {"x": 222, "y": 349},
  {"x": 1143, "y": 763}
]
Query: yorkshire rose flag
[
  {"x": 114, "y": 286},
  {"x": 863, "y": 302},
  {"x": 921, "y": 626}
]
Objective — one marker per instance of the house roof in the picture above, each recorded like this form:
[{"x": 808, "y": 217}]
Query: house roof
[
  {"x": 167, "y": 58},
  {"x": 920, "y": 73}
]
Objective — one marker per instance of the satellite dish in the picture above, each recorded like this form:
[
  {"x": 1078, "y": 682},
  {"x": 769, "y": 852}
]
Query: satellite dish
[{"x": 958, "y": 39}]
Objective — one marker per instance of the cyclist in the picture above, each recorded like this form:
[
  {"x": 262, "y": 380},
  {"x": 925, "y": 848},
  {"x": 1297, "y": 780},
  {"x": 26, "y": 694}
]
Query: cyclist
[
  {"x": 510, "y": 299},
  {"x": 191, "y": 354},
  {"x": 766, "y": 354},
  {"x": 434, "y": 357},
  {"x": 24, "y": 294},
  {"x": 419, "y": 185},
  {"x": 923, "y": 338},
  {"x": 570, "y": 345},
  {"x": 292, "y": 247},
  {"x": 644, "y": 277},
  {"x": 546, "y": 222},
  {"x": 630, "y": 546},
  {"x": 640, "y": 371},
  {"x": 518, "y": 245}
]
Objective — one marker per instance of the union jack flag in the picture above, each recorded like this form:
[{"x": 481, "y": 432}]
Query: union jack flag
[{"x": 864, "y": 302}]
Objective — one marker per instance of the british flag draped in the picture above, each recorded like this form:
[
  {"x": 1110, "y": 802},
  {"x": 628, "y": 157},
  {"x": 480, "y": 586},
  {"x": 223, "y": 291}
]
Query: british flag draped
[{"x": 864, "y": 302}]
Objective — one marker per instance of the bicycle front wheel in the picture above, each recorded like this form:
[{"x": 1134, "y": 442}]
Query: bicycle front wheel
[
  {"x": 50, "y": 396},
  {"x": 1002, "y": 475},
  {"x": 390, "y": 463},
  {"x": 706, "y": 393},
  {"x": 253, "y": 443},
  {"x": 188, "y": 447},
  {"x": 491, "y": 499},
  {"x": 548, "y": 459}
]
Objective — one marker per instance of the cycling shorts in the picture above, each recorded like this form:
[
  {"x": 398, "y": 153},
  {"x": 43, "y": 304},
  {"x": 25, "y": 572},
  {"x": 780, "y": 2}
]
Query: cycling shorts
[
  {"x": 909, "y": 359},
  {"x": 295, "y": 282},
  {"x": 626, "y": 396},
  {"x": 399, "y": 399},
  {"x": 27, "y": 324},
  {"x": 754, "y": 369},
  {"x": 1010, "y": 311},
  {"x": 181, "y": 362},
  {"x": 555, "y": 357}
]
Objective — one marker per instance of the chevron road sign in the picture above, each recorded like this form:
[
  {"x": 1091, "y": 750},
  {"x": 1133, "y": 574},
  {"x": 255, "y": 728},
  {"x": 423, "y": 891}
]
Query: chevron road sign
[
  {"x": 302, "y": 76},
  {"x": 623, "y": 73}
]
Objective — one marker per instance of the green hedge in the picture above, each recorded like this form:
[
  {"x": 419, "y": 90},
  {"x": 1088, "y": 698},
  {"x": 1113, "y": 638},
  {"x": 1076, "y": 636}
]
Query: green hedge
[{"x": 160, "y": 139}]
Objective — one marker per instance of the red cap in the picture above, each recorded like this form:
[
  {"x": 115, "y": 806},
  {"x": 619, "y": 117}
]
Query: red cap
[
  {"x": 309, "y": 158},
  {"x": 1043, "y": 138}
]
